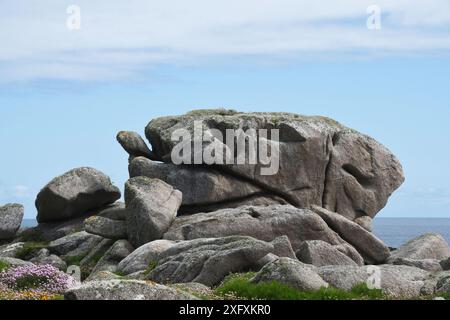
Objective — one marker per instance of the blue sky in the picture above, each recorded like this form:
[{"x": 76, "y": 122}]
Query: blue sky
[{"x": 65, "y": 94}]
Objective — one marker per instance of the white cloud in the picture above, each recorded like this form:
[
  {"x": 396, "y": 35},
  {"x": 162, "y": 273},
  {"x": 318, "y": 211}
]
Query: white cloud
[{"x": 119, "y": 38}]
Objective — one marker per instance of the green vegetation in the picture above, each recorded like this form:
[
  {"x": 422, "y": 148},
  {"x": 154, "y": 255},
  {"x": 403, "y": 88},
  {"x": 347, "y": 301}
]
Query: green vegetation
[
  {"x": 4, "y": 265},
  {"x": 152, "y": 265},
  {"x": 239, "y": 285},
  {"x": 29, "y": 249},
  {"x": 74, "y": 260}
]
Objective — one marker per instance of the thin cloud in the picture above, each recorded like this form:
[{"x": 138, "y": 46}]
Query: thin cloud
[{"x": 120, "y": 39}]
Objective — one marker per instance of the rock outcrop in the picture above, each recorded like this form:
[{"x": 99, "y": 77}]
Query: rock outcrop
[
  {"x": 11, "y": 216},
  {"x": 427, "y": 246},
  {"x": 74, "y": 193},
  {"x": 320, "y": 253}
]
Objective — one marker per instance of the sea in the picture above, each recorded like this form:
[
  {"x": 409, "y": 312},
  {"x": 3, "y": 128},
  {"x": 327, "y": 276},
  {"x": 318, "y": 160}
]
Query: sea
[{"x": 393, "y": 231}]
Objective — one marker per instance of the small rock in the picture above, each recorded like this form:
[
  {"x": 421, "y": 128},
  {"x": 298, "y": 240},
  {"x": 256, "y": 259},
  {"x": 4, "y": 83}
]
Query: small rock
[
  {"x": 142, "y": 257},
  {"x": 74, "y": 245},
  {"x": 115, "y": 211},
  {"x": 428, "y": 246},
  {"x": 125, "y": 290},
  {"x": 11, "y": 250},
  {"x": 105, "y": 227},
  {"x": 11, "y": 216},
  {"x": 320, "y": 253},
  {"x": 445, "y": 264},
  {"x": 44, "y": 257},
  {"x": 133, "y": 144},
  {"x": 292, "y": 273},
  {"x": 152, "y": 206},
  {"x": 74, "y": 193},
  {"x": 13, "y": 262}
]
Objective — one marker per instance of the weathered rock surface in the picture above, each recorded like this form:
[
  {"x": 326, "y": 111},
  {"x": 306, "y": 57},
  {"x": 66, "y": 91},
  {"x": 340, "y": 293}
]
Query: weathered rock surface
[
  {"x": 11, "y": 250},
  {"x": 105, "y": 227},
  {"x": 74, "y": 193},
  {"x": 125, "y": 290},
  {"x": 321, "y": 162},
  {"x": 428, "y": 246},
  {"x": 208, "y": 261},
  {"x": 320, "y": 253},
  {"x": 88, "y": 263},
  {"x": 74, "y": 245},
  {"x": 292, "y": 273},
  {"x": 366, "y": 222},
  {"x": 133, "y": 143},
  {"x": 45, "y": 257},
  {"x": 203, "y": 188},
  {"x": 445, "y": 264},
  {"x": 373, "y": 250},
  {"x": 11, "y": 216},
  {"x": 152, "y": 207},
  {"x": 115, "y": 211},
  {"x": 395, "y": 281},
  {"x": 144, "y": 256},
  {"x": 425, "y": 264},
  {"x": 118, "y": 251},
  {"x": 264, "y": 223}
]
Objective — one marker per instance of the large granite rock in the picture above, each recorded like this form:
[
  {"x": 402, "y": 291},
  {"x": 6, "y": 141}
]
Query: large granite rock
[
  {"x": 321, "y": 162},
  {"x": 428, "y": 246},
  {"x": 125, "y": 290},
  {"x": 152, "y": 206},
  {"x": 11, "y": 216},
  {"x": 424, "y": 264},
  {"x": 264, "y": 223},
  {"x": 204, "y": 189},
  {"x": 208, "y": 261},
  {"x": 144, "y": 256},
  {"x": 74, "y": 245},
  {"x": 292, "y": 273},
  {"x": 373, "y": 250},
  {"x": 395, "y": 281},
  {"x": 320, "y": 253},
  {"x": 74, "y": 193}
]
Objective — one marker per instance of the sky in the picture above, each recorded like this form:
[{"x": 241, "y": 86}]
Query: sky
[{"x": 66, "y": 92}]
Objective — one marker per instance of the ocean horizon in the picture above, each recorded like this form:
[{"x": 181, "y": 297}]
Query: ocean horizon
[{"x": 393, "y": 231}]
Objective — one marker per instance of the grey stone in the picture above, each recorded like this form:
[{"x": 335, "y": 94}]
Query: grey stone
[
  {"x": 282, "y": 247},
  {"x": 443, "y": 283},
  {"x": 119, "y": 251},
  {"x": 425, "y": 264},
  {"x": 125, "y": 290},
  {"x": 208, "y": 261},
  {"x": 115, "y": 211},
  {"x": 50, "y": 231},
  {"x": 152, "y": 206},
  {"x": 321, "y": 162},
  {"x": 133, "y": 144},
  {"x": 373, "y": 250},
  {"x": 105, "y": 227},
  {"x": 142, "y": 257},
  {"x": 292, "y": 273},
  {"x": 428, "y": 246},
  {"x": 11, "y": 216},
  {"x": 202, "y": 188},
  {"x": 320, "y": 253},
  {"x": 44, "y": 257},
  {"x": 13, "y": 262},
  {"x": 74, "y": 245},
  {"x": 445, "y": 264},
  {"x": 263, "y": 223},
  {"x": 11, "y": 250},
  {"x": 74, "y": 193},
  {"x": 89, "y": 262},
  {"x": 394, "y": 280}
]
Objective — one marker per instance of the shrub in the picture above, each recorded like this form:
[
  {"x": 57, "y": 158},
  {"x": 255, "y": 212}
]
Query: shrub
[
  {"x": 240, "y": 286},
  {"x": 3, "y": 266},
  {"x": 44, "y": 278}
]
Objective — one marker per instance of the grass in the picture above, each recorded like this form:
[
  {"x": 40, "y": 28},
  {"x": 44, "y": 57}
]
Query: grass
[
  {"x": 152, "y": 265},
  {"x": 240, "y": 286},
  {"x": 29, "y": 249},
  {"x": 74, "y": 260},
  {"x": 4, "y": 266}
]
